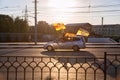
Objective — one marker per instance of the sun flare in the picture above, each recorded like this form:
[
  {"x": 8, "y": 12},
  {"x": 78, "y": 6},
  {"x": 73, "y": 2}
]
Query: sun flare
[
  {"x": 58, "y": 9},
  {"x": 61, "y": 3}
]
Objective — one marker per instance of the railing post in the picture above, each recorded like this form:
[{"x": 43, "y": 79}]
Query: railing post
[{"x": 105, "y": 65}]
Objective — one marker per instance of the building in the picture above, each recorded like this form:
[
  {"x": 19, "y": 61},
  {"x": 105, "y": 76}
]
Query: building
[
  {"x": 74, "y": 27},
  {"x": 112, "y": 31},
  {"x": 106, "y": 30}
]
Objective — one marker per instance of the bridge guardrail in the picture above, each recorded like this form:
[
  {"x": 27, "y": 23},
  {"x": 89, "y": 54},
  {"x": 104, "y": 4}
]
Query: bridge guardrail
[
  {"x": 40, "y": 45},
  {"x": 112, "y": 45},
  {"x": 60, "y": 67}
]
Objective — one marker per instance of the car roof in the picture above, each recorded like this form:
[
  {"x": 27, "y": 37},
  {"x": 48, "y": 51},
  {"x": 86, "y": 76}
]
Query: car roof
[{"x": 75, "y": 36}]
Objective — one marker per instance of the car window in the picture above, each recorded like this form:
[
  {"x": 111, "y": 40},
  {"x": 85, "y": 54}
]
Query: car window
[
  {"x": 76, "y": 39},
  {"x": 68, "y": 39},
  {"x": 82, "y": 38},
  {"x": 61, "y": 40}
]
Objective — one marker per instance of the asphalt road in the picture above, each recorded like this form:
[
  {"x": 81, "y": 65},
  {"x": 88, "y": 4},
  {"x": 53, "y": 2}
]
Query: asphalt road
[{"x": 96, "y": 52}]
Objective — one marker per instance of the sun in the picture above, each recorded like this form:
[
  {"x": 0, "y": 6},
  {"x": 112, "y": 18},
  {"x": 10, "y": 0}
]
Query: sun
[{"x": 58, "y": 9}]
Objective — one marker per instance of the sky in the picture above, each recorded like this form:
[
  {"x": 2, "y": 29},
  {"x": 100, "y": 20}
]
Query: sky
[{"x": 64, "y": 11}]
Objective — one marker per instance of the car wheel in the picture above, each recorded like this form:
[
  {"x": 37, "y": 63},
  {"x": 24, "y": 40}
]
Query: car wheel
[
  {"x": 75, "y": 48},
  {"x": 50, "y": 48}
]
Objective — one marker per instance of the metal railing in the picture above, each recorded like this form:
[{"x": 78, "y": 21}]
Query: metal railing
[
  {"x": 58, "y": 68},
  {"x": 112, "y": 66},
  {"x": 103, "y": 45}
]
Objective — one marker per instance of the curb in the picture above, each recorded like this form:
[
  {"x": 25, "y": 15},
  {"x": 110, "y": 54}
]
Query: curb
[
  {"x": 11, "y": 47},
  {"x": 26, "y": 45}
]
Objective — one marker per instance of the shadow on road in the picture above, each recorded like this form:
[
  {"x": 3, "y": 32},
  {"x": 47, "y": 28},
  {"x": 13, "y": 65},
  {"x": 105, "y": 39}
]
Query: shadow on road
[
  {"x": 9, "y": 52},
  {"x": 68, "y": 53},
  {"x": 81, "y": 58}
]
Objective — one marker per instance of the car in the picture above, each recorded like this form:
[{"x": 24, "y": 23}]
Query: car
[{"x": 76, "y": 43}]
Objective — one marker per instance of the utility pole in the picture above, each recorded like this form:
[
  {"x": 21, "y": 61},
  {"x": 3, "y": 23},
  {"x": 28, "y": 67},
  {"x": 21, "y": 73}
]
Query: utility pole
[
  {"x": 102, "y": 20},
  {"x": 26, "y": 13},
  {"x": 103, "y": 33},
  {"x": 89, "y": 10},
  {"x": 36, "y": 22}
]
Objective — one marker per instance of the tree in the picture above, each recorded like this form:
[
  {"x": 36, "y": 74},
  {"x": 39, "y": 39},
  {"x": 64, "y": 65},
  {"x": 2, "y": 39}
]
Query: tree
[
  {"x": 20, "y": 25},
  {"x": 6, "y": 24},
  {"x": 43, "y": 27}
]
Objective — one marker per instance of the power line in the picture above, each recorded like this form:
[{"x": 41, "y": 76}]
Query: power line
[
  {"x": 98, "y": 11},
  {"x": 43, "y": 12},
  {"x": 68, "y": 12},
  {"x": 85, "y": 16},
  {"x": 89, "y": 6},
  {"x": 116, "y": 5},
  {"x": 97, "y": 6},
  {"x": 95, "y": 11},
  {"x": 7, "y": 7}
]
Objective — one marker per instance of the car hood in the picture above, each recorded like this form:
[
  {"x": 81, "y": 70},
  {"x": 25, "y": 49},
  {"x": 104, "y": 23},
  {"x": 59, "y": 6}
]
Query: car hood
[{"x": 49, "y": 43}]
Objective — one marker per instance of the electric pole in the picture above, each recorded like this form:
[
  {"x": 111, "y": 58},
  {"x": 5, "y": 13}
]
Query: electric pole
[
  {"x": 36, "y": 22},
  {"x": 26, "y": 13},
  {"x": 102, "y": 26},
  {"x": 102, "y": 20}
]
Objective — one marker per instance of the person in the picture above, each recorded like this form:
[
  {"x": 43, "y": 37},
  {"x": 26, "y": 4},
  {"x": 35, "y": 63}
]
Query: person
[
  {"x": 30, "y": 38},
  {"x": 62, "y": 39}
]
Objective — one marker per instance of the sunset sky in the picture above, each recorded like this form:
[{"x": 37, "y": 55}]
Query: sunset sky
[{"x": 65, "y": 11}]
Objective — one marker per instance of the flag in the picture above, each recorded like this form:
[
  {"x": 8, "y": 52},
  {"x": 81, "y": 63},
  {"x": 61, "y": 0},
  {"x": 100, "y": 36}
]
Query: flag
[
  {"x": 70, "y": 34},
  {"x": 82, "y": 32},
  {"x": 59, "y": 26}
]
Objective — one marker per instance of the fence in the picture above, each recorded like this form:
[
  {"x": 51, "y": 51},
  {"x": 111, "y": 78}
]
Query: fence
[
  {"x": 59, "y": 68},
  {"x": 25, "y": 37},
  {"x": 112, "y": 66}
]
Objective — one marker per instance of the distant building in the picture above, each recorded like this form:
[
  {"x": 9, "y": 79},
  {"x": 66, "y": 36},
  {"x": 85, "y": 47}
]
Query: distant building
[
  {"x": 107, "y": 30},
  {"x": 74, "y": 27}
]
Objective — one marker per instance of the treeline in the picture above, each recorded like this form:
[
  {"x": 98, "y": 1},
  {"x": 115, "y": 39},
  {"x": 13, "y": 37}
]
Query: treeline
[
  {"x": 43, "y": 28},
  {"x": 17, "y": 25},
  {"x": 10, "y": 25}
]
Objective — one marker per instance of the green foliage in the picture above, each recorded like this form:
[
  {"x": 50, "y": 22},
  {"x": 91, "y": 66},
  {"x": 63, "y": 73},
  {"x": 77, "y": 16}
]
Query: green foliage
[
  {"x": 20, "y": 25},
  {"x": 17, "y": 25},
  {"x": 44, "y": 28},
  {"x": 8, "y": 25}
]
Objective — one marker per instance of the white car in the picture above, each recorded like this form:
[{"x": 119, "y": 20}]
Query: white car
[{"x": 75, "y": 43}]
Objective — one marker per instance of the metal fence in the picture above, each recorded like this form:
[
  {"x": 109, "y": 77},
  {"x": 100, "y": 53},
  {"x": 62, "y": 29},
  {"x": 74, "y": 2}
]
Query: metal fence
[
  {"x": 59, "y": 68},
  {"x": 112, "y": 66}
]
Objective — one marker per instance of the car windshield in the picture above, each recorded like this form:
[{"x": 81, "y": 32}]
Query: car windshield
[{"x": 65, "y": 39}]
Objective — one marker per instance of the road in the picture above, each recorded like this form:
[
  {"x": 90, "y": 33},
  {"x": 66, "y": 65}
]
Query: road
[{"x": 98, "y": 52}]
